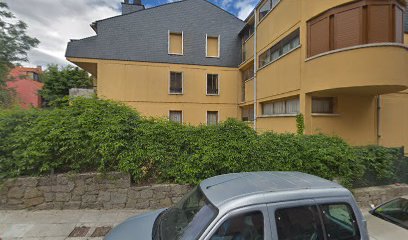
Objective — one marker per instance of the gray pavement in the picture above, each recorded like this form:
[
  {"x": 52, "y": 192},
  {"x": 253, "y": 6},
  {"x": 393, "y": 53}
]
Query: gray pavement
[{"x": 60, "y": 224}]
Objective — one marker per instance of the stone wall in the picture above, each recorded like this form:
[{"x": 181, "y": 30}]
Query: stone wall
[
  {"x": 91, "y": 191},
  {"x": 379, "y": 194},
  {"x": 115, "y": 191}
]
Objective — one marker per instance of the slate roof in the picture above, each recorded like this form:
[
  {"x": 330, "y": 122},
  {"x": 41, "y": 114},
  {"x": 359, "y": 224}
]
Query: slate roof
[{"x": 143, "y": 35}]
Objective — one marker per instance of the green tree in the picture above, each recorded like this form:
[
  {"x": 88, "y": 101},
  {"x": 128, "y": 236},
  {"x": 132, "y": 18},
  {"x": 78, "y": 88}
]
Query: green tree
[
  {"x": 14, "y": 46},
  {"x": 58, "y": 80}
]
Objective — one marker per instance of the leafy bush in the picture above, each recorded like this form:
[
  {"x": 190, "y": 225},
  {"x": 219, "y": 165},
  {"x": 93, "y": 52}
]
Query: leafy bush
[
  {"x": 381, "y": 165},
  {"x": 87, "y": 135},
  {"x": 91, "y": 134}
]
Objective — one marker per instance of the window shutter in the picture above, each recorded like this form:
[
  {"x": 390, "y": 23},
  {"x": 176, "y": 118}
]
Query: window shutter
[
  {"x": 347, "y": 28},
  {"x": 176, "y": 43},
  {"x": 319, "y": 36},
  {"x": 378, "y": 23},
  {"x": 399, "y": 28},
  {"x": 212, "y": 47}
]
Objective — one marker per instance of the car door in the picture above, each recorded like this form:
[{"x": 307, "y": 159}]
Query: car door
[
  {"x": 342, "y": 219},
  {"x": 295, "y": 220},
  {"x": 246, "y": 223}
]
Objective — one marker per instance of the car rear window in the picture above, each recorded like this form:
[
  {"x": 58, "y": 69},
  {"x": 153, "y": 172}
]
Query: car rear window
[
  {"x": 327, "y": 221},
  {"x": 339, "y": 222},
  {"x": 298, "y": 223}
]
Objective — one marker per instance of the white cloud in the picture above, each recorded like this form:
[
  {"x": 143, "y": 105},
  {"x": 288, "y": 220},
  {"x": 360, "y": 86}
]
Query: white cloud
[
  {"x": 55, "y": 22},
  {"x": 245, "y": 7}
]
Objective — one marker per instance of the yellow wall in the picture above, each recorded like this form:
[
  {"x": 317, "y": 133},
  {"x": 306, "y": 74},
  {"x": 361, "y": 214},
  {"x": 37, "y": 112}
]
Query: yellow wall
[
  {"x": 276, "y": 124},
  {"x": 269, "y": 79},
  {"x": 378, "y": 69},
  {"x": 249, "y": 91},
  {"x": 145, "y": 86},
  {"x": 249, "y": 49},
  {"x": 277, "y": 23},
  {"x": 355, "y": 120},
  {"x": 406, "y": 38},
  {"x": 394, "y": 120}
]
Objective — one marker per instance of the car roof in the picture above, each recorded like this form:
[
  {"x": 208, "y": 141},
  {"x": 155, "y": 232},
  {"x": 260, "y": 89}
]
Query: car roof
[{"x": 251, "y": 185}]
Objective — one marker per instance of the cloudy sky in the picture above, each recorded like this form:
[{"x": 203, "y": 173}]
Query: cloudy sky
[{"x": 55, "y": 22}]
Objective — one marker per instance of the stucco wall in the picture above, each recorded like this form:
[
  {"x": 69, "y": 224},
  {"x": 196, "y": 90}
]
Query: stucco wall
[{"x": 145, "y": 86}]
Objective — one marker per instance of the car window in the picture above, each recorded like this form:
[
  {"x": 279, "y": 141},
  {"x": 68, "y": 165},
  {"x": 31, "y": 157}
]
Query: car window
[
  {"x": 247, "y": 226},
  {"x": 187, "y": 219},
  {"x": 395, "y": 211},
  {"x": 298, "y": 223},
  {"x": 339, "y": 222}
]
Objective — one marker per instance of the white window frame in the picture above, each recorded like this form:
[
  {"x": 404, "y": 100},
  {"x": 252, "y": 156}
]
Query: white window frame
[
  {"x": 206, "y": 84},
  {"x": 182, "y": 84},
  {"x": 182, "y": 115},
  {"x": 168, "y": 43},
  {"x": 206, "y": 46},
  {"x": 218, "y": 116}
]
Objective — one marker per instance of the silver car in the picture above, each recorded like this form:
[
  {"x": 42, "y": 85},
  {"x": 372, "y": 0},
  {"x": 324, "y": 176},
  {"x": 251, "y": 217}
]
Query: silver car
[
  {"x": 389, "y": 220},
  {"x": 254, "y": 206}
]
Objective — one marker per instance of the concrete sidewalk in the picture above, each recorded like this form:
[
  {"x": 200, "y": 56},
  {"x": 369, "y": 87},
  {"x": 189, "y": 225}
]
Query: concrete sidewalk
[{"x": 60, "y": 224}]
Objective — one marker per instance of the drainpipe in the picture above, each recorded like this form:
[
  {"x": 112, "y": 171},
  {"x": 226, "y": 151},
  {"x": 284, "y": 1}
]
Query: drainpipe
[
  {"x": 255, "y": 67},
  {"x": 378, "y": 119}
]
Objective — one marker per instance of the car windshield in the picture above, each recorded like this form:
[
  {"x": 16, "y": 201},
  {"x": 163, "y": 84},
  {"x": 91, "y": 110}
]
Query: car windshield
[
  {"x": 187, "y": 219},
  {"x": 395, "y": 211}
]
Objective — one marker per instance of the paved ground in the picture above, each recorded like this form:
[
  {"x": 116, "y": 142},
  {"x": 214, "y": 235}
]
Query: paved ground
[{"x": 60, "y": 224}]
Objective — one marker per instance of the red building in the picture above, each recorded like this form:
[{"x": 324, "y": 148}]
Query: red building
[{"x": 26, "y": 83}]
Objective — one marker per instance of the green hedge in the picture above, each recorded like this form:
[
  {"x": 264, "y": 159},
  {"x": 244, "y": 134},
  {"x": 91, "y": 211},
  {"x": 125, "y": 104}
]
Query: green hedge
[{"x": 92, "y": 134}]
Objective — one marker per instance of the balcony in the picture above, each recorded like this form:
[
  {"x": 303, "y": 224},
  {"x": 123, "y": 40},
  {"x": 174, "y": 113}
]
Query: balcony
[{"x": 367, "y": 69}]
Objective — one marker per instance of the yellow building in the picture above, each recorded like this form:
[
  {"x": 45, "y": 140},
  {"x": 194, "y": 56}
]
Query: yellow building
[{"x": 342, "y": 64}]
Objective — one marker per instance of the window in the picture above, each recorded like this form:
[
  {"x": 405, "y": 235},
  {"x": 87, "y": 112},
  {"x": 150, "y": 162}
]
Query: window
[
  {"x": 323, "y": 105},
  {"x": 248, "y": 73},
  {"x": 212, "y": 118},
  {"x": 264, "y": 9},
  {"x": 248, "y": 226},
  {"x": 175, "y": 43},
  {"x": 186, "y": 219},
  {"x": 212, "y": 84},
  {"x": 176, "y": 116},
  {"x": 213, "y": 46},
  {"x": 287, "y": 44},
  {"x": 339, "y": 222},
  {"x": 176, "y": 83},
  {"x": 298, "y": 223},
  {"x": 290, "y": 106},
  {"x": 247, "y": 32},
  {"x": 248, "y": 113},
  {"x": 267, "y": 7}
]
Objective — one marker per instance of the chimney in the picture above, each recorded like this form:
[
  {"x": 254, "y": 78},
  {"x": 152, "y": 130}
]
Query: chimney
[{"x": 129, "y": 6}]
